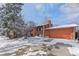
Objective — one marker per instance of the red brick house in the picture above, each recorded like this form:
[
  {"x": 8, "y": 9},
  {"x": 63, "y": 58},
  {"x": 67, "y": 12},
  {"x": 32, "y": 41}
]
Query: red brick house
[
  {"x": 64, "y": 31},
  {"x": 39, "y": 30}
]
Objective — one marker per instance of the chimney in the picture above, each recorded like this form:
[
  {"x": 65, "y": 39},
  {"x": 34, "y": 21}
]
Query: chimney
[{"x": 49, "y": 22}]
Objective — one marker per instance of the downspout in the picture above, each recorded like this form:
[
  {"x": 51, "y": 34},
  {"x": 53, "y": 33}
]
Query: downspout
[
  {"x": 74, "y": 31},
  {"x": 43, "y": 31}
]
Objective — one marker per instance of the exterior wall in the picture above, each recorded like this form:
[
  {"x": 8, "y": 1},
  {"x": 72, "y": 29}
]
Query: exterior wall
[
  {"x": 47, "y": 33},
  {"x": 37, "y": 32},
  {"x": 33, "y": 32},
  {"x": 65, "y": 33}
]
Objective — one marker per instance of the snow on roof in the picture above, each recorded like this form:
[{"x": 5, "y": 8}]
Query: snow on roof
[
  {"x": 40, "y": 24},
  {"x": 64, "y": 26}
]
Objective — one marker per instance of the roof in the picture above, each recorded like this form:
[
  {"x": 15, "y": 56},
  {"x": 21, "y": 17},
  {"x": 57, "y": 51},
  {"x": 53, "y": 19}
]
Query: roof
[
  {"x": 40, "y": 24},
  {"x": 64, "y": 26}
]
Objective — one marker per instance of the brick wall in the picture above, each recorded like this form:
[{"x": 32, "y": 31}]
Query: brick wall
[
  {"x": 36, "y": 31},
  {"x": 65, "y": 33}
]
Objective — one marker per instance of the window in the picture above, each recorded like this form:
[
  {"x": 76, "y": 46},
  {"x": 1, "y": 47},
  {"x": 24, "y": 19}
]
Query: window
[{"x": 39, "y": 29}]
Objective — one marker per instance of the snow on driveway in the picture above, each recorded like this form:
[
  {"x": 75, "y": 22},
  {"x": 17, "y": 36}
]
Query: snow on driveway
[
  {"x": 12, "y": 45},
  {"x": 74, "y": 51}
]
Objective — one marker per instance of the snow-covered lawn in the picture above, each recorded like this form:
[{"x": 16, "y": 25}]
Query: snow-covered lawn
[{"x": 9, "y": 46}]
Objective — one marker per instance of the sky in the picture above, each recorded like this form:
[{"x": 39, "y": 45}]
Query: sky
[{"x": 59, "y": 13}]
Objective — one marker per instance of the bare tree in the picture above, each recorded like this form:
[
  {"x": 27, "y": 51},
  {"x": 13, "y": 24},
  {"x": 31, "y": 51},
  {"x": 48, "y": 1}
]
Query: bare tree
[{"x": 29, "y": 27}]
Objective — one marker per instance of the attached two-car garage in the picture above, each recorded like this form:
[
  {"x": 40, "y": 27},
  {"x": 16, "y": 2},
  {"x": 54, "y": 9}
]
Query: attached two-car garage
[{"x": 64, "y": 32}]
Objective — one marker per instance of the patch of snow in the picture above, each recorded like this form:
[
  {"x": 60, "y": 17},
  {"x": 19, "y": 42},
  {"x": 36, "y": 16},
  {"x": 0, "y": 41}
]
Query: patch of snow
[
  {"x": 36, "y": 53},
  {"x": 3, "y": 38},
  {"x": 42, "y": 40},
  {"x": 12, "y": 45},
  {"x": 70, "y": 42},
  {"x": 30, "y": 49},
  {"x": 74, "y": 50},
  {"x": 11, "y": 51},
  {"x": 13, "y": 54},
  {"x": 64, "y": 26}
]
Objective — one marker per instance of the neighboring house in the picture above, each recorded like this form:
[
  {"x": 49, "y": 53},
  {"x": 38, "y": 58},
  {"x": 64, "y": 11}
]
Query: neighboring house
[{"x": 64, "y": 31}]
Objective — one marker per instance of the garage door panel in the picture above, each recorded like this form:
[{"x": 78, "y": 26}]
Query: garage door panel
[{"x": 66, "y": 33}]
